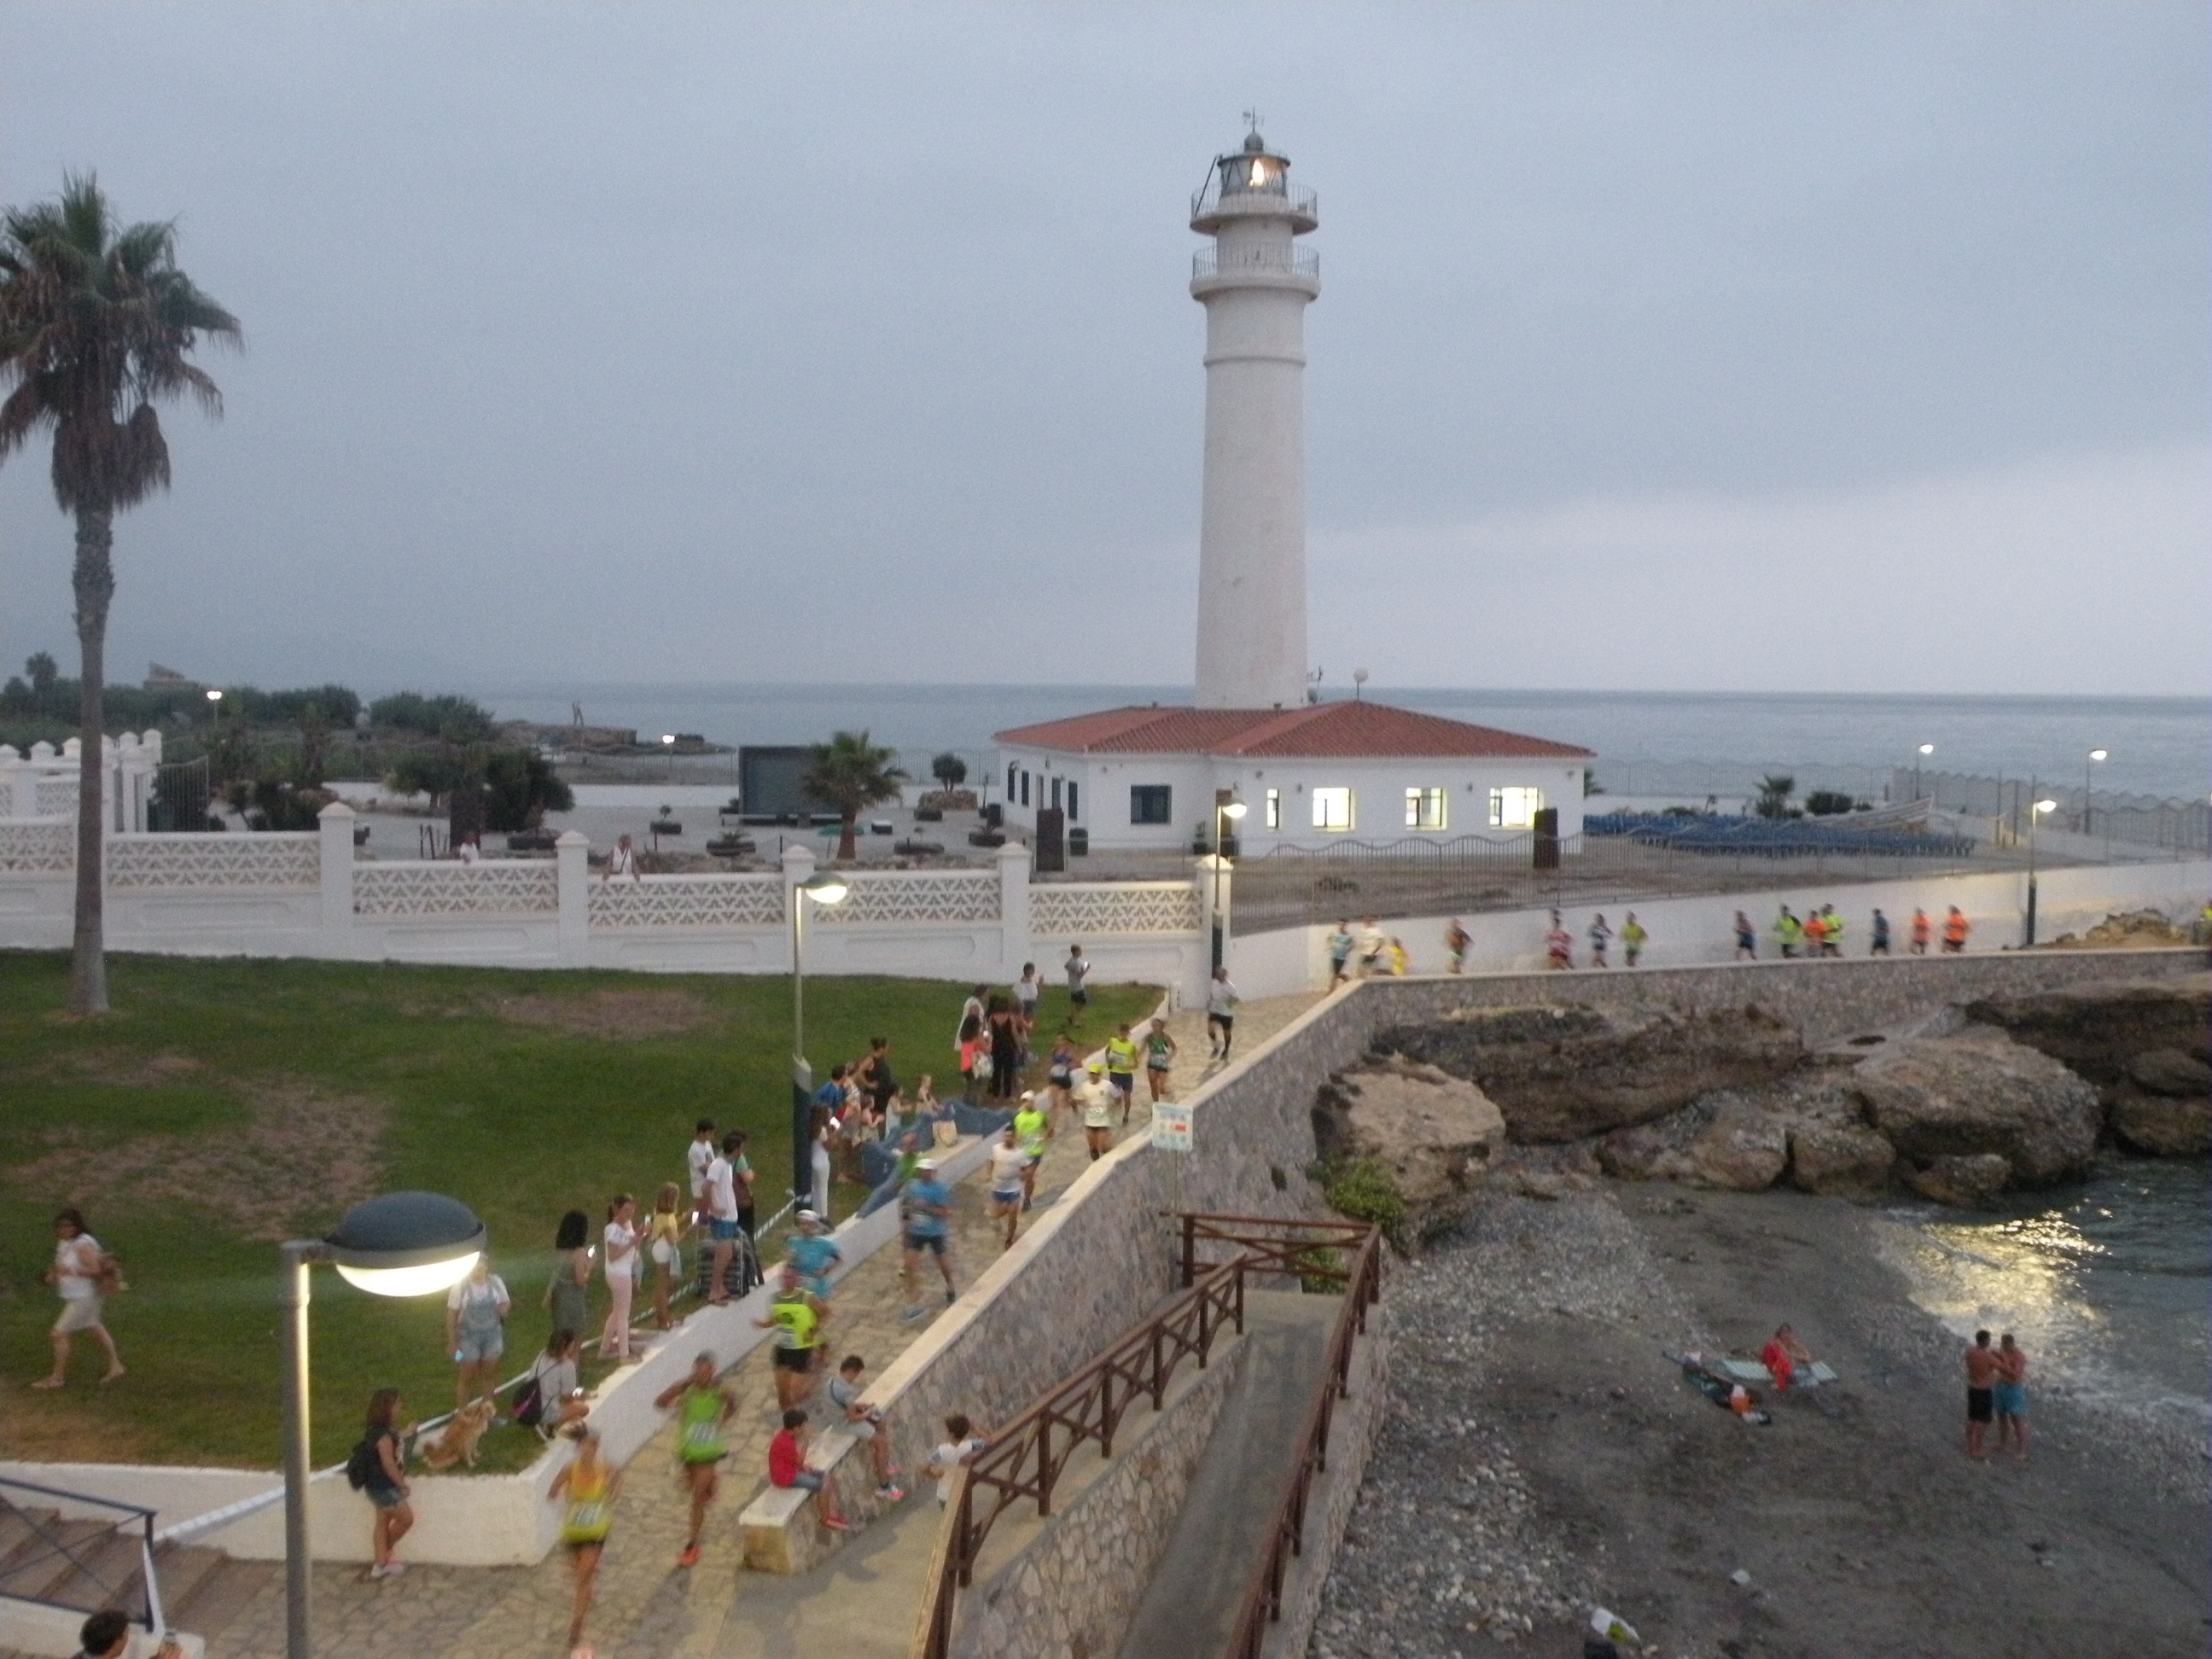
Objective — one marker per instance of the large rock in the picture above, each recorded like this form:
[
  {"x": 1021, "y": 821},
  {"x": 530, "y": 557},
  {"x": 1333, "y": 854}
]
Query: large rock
[
  {"x": 1980, "y": 1093},
  {"x": 2171, "y": 1073},
  {"x": 2161, "y": 1125},
  {"x": 1966, "y": 1183},
  {"x": 1848, "y": 1159},
  {"x": 1436, "y": 1133},
  {"x": 1742, "y": 1148},
  {"x": 2096, "y": 1029},
  {"x": 1559, "y": 1074}
]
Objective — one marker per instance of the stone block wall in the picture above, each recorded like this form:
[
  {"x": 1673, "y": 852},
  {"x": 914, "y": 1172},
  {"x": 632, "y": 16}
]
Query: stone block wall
[{"x": 1073, "y": 1590}]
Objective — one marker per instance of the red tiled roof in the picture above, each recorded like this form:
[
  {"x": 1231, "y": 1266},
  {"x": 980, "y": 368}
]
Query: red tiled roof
[{"x": 1340, "y": 729}]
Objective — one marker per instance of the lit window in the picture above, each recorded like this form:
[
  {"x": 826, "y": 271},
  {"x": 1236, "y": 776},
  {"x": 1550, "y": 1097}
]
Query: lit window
[
  {"x": 1152, "y": 803},
  {"x": 1274, "y": 809},
  {"x": 1425, "y": 809},
  {"x": 1515, "y": 809},
  {"x": 1332, "y": 809}
]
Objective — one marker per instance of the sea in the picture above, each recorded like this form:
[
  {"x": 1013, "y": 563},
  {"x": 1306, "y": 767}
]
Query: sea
[
  {"x": 2107, "y": 1285},
  {"x": 1647, "y": 744}
]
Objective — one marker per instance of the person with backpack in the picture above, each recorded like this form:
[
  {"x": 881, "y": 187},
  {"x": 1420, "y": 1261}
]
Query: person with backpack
[
  {"x": 374, "y": 1470},
  {"x": 81, "y": 1275},
  {"x": 550, "y": 1397}
]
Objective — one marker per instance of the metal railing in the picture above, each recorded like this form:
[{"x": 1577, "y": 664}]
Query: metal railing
[
  {"x": 1263, "y": 1598},
  {"x": 1270, "y": 261},
  {"x": 1277, "y": 195},
  {"x": 80, "y": 1565}
]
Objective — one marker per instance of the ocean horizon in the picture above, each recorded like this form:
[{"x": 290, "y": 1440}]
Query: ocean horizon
[{"x": 1647, "y": 741}]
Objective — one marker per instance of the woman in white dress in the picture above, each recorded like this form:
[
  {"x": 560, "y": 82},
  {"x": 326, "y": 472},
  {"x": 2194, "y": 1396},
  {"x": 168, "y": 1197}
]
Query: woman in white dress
[
  {"x": 623, "y": 1263},
  {"x": 76, "y": 1276}
]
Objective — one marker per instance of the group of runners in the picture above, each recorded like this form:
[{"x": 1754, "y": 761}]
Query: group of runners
[{"x": 1820, "y": 932}]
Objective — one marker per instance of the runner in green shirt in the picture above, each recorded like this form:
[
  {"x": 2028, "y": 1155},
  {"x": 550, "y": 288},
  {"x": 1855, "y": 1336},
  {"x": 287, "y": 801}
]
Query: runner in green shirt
[
  {"x": 1159, "y": 1059},
  {"x": 703, "y": 1408},
  {"x": 1031, "y": 1130}
]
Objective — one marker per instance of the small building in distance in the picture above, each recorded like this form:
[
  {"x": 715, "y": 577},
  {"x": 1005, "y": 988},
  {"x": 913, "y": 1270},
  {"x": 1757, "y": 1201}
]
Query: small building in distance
[{"x": 1309, "y": 775}]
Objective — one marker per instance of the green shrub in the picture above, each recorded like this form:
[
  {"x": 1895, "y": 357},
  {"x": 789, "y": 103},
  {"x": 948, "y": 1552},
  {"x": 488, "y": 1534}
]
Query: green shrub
[{"x": 1362, "y": 1188}]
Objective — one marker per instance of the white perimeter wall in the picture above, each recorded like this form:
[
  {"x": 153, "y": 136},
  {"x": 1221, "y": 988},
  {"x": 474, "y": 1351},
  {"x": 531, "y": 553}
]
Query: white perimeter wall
[{"x": 1688, "y": 931}]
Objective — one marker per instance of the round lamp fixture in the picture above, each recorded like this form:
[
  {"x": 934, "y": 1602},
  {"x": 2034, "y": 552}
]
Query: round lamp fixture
[
  {"x": 1233, "y": 811},
  {"x": 1927, "y": 748},
  {"x": 2099, "y": 754},
  {"x": 213, "y": 696},
  {"x": 2046, "y": 806},
  {"x": 826, "y": 889},
  {"x": 406, "y": 1243},
  {"x": 668, "y": 737}
]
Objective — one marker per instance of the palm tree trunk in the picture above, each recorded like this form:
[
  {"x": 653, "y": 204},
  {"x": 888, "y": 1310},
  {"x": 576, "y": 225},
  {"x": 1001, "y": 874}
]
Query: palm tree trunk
[
  {"x": 94, "y": 579},
  {"x": 845, "y": 823}
]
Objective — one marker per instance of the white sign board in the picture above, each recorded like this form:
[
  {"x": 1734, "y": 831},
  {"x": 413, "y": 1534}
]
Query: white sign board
[{"x": 1171, "y": 1127}]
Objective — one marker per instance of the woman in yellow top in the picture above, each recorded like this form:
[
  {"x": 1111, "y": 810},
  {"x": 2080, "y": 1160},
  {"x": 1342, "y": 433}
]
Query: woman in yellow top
[
  {"x": 665, "y": 1235},
  {"x": 588, "y": 1485}
]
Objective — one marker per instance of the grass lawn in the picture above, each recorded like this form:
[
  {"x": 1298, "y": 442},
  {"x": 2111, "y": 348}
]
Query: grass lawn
[{"x": 228, "y": 1103}]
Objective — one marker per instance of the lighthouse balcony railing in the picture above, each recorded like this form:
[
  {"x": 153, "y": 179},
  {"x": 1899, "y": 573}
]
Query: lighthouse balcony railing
[
  {"x": 1273, "y": 261},
  {"x": 1269, "y": 197}
]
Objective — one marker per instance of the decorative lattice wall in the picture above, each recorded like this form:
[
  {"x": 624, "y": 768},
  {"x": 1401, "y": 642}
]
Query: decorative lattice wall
[
  {"x": 497, "y": 889},
  {"x": 1089, "y": 910},
  {"x": 688, "y": 902},
  {"x": 27, "y": 847},
  {"x": 958, "y": 897},
  {"x": 136, "y": 863}
]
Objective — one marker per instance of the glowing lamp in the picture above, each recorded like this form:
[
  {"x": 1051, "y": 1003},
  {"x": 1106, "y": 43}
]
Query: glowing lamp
[
  {"x": 826, "y": 889},
  {"x": 406, "y": 1244}
]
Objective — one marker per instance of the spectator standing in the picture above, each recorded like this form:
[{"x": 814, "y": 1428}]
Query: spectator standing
[
  {"x": 664, "y": 1247},
  {"x": 586, "y": 1488},
  {"x": 1456, "y": 941},
  {"x": 1338, "y": 945},
  {"x": 623, "y": 1260},
  {"x": 704, "y": 1407},
  {"x": 1747, "y": 939},
  {"x": 928, "y": 1212},
  {"x": 817, "y": 1161},
  {"x": 722, "y": 1226},
  {"x": 787, "y": 1468},
  {"x": 1006, "y": 1048},
  {"x": 1078, "y": 969},
  {"x": 475, "y": 1331},
  {"x": 622, "y": 863},
  {"x": 1221, "y": 1001},
  {"x": 1633, "y": 938},
  {"x": 374, "y": 1469},
  {"x": 1159, "y": 1056},
  {"x": 697, "y": 1156},
  {"x": 1027, "y": 990},
  {"x": 81, "y": 1268},
  {"x": 741, "y": 1178},
  {"x": 565, "y": 1294}
]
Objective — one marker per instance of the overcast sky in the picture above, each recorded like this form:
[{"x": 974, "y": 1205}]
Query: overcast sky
[{"x": 1818, "y": 347}]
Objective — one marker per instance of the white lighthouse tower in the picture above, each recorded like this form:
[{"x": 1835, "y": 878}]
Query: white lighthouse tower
[{"x": 1255, "y": 284}]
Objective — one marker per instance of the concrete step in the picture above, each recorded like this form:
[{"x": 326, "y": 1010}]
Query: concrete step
[
  {"x": 39, "y": 1564},
  {"x": 1192, "y": 1603},
  {"x": 111, "y": 1574},
  {"x": 218, "y": 1597}
]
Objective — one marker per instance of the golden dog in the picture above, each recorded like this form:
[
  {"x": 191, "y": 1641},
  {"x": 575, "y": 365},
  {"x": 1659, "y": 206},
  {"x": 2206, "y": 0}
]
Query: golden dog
[{"x": 456, "y": 1442}]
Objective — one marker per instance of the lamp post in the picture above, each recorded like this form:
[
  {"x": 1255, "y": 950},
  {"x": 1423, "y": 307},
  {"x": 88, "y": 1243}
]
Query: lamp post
[
  {"x": 824, "y": 889},
  {"x": 400, "y": 1244},
  {"x": 2035, "y": 811},
  {"x": 1225, "y": 812},
  {"x": 1920, "y": 755},
  {"x": 2089, "y": 771}
]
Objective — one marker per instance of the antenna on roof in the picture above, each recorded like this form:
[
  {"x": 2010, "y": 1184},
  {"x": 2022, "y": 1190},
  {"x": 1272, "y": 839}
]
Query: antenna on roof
[
  {"x": 1358, "y": 680},
  {"x": 1252, "y": 121}
]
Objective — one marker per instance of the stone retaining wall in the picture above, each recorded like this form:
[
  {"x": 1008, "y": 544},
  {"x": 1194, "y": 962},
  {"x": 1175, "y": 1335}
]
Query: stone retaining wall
[{"x": 1073, "y": 1589}]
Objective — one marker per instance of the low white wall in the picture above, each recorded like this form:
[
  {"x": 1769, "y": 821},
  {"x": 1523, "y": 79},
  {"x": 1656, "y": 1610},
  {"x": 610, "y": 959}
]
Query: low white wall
[
  {"x": 470, "y": 1521},
  {"x": 1691, "y": 932}
]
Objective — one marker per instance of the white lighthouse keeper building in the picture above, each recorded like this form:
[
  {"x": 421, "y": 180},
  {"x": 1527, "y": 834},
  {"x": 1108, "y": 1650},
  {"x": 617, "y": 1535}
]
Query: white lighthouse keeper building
[{"x": 1255, "y": 284}]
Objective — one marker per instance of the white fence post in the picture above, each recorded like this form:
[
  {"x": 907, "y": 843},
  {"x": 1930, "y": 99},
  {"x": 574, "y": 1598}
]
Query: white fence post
[
  {"x": 22, "y": 785},
  {"x": 1013, "y": 908},
  {"x": 572, "y": 857},
  {"x": 336, "y": 822}
]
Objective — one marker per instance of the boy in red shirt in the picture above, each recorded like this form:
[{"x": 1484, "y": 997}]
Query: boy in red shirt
[{"x": 787, "y": 1467}]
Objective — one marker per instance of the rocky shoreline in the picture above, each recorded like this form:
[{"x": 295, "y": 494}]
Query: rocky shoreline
[{"x": 1542, "y": 1456}]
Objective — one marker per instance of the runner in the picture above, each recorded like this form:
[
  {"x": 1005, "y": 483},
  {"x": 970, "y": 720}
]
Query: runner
[
  {"x": 1601, "y": 936},
  {"x": 705, "y": 1408},
  {"x": 589, "y": 1485},
  {"x": 927, "y": 1207},
  {"x": 1221, "y": 1001},
  {"x": 1456, "y": 941},
  {"x": 1955, "y": 929},
  {"x": 1122, "y": 1067},
  {"x": 1559, "y": 946},
  {"x": 1078, "y": 985},
  {"x": 814, "y": 1253},
  {"x": 1747, "y": 939},
  {"x": 1096, "y": 1101},
  {"x": 1010, "y": 1168},
  {"x": 1633, "y": 938},
  {"x": 1031, "y": 1129},
  {"x": 1339, "y": 955},
  {"x": 1159, "y": 1059},
  {"x": 797, "y": 1316},
  {"x": 1060, "y": 1078},
  {"x": 1919, "y": 946},
  {"x": 1370, "y": 946}
]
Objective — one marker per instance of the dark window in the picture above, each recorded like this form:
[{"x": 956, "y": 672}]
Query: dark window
[
  {"x": 1072, "y": 813},
  {"x": 1056, "y": 791},
  {"x": 1152, "y": 803},
  {"x": 1025, "y": 789}
]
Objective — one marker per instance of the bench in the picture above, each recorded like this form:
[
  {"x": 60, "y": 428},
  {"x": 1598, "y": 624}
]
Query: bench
[{"x": 781, "y": 1528}]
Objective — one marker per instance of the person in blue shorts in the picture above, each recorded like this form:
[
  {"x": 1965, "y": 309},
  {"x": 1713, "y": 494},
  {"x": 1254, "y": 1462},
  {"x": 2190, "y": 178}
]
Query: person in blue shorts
[
  {"x": 2008, "y": 1395},
  {"x": 814, "y": 1253},
  {"x": 927, "y": 1205}
]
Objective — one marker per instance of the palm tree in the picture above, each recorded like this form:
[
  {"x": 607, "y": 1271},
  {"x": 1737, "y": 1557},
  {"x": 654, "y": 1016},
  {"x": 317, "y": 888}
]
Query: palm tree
[
  {"x": 852, "y": 774},
  {"x": 97, "y": 325}
]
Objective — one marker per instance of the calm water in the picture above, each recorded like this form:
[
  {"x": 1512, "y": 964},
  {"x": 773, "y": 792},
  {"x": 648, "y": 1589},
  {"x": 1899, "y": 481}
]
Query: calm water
[
  {"x": 2105, "y": 1285},
  {"x": 1646, "y": 743}
]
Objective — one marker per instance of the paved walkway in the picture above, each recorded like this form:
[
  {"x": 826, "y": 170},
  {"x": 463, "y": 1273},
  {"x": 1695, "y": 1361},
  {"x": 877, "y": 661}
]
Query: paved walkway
[{"x": 858, "y": 1605}]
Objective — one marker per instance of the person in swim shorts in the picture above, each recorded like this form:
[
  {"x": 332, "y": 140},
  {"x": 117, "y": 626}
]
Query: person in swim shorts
[
  {"x": 2008, "y": 1395},
  {"x": 1981, "y": 1406}
]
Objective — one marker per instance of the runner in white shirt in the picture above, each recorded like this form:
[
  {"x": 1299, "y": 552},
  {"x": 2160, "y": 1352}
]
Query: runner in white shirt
[
  {"x": 1010, "y": 1162},
  {"x": 1221, "y": 1001}
]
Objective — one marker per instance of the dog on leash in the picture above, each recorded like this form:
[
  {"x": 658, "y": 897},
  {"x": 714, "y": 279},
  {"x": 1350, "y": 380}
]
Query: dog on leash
[{"x": 456, "y": 1442}]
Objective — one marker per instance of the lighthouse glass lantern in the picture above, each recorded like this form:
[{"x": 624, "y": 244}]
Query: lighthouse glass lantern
[{"x": 1252, "y": 170}]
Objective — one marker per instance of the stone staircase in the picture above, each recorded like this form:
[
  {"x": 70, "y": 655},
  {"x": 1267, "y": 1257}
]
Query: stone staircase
[{"x": 90, "y": 1565}]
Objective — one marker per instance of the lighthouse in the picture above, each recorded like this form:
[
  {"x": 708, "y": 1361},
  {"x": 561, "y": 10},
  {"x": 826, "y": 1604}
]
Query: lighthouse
[{"x": 1255, "y": 284}]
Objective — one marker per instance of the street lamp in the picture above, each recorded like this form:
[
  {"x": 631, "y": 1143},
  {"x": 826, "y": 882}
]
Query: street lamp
[
  {"x": 1924, "y": 752},
  {"x": 2088, "y": 770},
  {"x": 400, "y": 1244},
  {"x": 2035, "y": 812},
  {"x": 827, "y": 888},
  {"x": 1225, "y": 812}
]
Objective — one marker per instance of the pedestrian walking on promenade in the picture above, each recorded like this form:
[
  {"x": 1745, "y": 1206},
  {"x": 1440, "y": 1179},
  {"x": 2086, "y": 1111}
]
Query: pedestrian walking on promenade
[
  {"x": 1632, "y": 939},
  {"x": 1601, "y": 936},
  {"x": 80, "y": 1272},
  {"x": 1920, "y": 929},
  {"x": 586, "y": 1489},
  {"x": 476, "y": 1332},
  {"x": 704, "y": 1407},
  {"x": 1747, "y": 939},
  {"x": 623, "y": 1260},
  {"x": 1159, "y": 1059},
  {"x": 1339, "y": 955},
  {"x": 927, "y": 1205},
  {"x": 565, "y": 1296},
  {"x": 1456, "y": 941}
]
